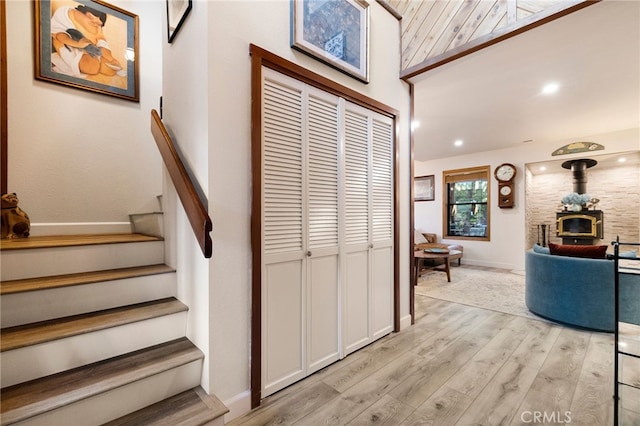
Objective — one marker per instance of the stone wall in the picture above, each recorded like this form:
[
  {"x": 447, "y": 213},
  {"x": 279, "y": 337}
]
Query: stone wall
[{"x": 618, "y": 189}]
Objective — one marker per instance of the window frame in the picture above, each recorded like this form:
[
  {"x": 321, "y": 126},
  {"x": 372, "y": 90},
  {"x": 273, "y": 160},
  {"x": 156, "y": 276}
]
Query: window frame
[{"x": 459, "y": 175}]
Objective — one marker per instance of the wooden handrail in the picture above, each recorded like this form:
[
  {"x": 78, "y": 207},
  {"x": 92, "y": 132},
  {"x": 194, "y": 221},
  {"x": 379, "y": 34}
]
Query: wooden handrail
[{"x": 194, "y": 207}]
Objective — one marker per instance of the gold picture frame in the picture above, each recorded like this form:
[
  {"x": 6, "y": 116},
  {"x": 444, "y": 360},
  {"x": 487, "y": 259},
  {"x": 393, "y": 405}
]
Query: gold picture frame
[{"x": 89, "y": 45}]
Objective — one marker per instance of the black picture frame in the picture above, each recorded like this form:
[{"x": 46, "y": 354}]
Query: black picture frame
[
  {"x": 106, "y": 62},
  {"x": 423, "y": 188},
  {"x": 177, "y": 11}
]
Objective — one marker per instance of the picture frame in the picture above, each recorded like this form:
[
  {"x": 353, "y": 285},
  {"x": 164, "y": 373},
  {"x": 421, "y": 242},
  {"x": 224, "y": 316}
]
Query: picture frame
[
  {"x": 101, "y": 55},
  {"x": 334, "y": 32},
  {"x": 423, "y": 188},
  {"x": 177, "y": 11}
]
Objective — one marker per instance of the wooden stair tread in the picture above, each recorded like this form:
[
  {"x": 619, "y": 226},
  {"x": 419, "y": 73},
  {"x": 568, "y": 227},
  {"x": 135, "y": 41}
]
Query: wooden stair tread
[
  {"x": 38, "y": 396},
  {"x": 73, "y": 240},
  {"x": 45, "y": 331},
  {"x": 42, "y": 283},
  {"x": 190, "y": 408}
]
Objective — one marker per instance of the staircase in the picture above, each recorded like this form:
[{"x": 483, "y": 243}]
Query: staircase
[{"x": 92, "y": 334}]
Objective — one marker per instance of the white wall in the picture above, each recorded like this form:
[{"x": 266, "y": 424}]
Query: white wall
[
  {"x": 222, "y": 31},
  {"x": 79, "y": 156},
  {"x": 508, "y": 226},
  {"x": 185, "y": 115}
]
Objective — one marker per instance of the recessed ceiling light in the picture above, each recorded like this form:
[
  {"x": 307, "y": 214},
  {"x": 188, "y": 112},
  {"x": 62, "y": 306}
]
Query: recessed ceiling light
[
  {"x": 459, "y": 142},
  {"x": 543, "y": 168},
  {"x": 550, "y": 88},
  {"x": 622, "y": 160}
]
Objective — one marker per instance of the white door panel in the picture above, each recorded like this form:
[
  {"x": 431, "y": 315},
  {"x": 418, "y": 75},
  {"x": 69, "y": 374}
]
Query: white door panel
[
  {"x": 356, "y": 301},
  {"x": 282, "y": 329},
  {"x": 382, "y": 291},
  {"x": 322, "y": 312}
]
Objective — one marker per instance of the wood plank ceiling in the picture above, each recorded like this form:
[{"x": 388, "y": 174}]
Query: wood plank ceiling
[{"x": 435, "y": 32}]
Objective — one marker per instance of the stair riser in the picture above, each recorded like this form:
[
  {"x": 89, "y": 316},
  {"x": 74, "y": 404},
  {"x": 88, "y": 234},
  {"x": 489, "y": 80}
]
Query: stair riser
[
  {"x": 41, "y": 360},
  {"x": 34, "y": 306},
  {"x": 79, "y": 228},
  {"x": 123, "y": 400},
  {"x": 18, "y": 264}
]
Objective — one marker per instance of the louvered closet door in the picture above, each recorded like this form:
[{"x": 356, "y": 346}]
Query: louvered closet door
[
  {"x": 283, "y": 269},
  {"x": 367, "y": 263},
  {"x": 382, "y": 225},
  {"x": 300, "y": 225},
  {"x": 357, "y": 225},
  {"x": 323, "y": 312}
]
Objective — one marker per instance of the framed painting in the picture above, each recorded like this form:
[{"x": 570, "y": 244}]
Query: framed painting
[
  {"x": 177, "y": 11},
  {"x": 423, "y": 188},
  {"x": 89, "y": 45},
  {"x": 335, "y": 32}
]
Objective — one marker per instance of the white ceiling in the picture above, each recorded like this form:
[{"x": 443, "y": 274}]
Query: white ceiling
[{"x": 492, "y": 98}]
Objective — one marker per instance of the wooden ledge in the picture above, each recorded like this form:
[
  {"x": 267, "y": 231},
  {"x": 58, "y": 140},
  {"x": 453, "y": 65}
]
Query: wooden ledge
[{"x": 73, "y": 240}]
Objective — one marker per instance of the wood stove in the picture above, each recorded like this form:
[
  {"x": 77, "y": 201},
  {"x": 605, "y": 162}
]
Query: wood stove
[{"x": 580, "y": 228}]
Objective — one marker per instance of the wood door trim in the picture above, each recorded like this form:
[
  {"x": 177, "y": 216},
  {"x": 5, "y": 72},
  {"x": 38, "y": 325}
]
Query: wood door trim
[
  {"x": 259, "y": 58},
  {"x": 412, "y": 204},
  {"x": 3, "y": 97}
]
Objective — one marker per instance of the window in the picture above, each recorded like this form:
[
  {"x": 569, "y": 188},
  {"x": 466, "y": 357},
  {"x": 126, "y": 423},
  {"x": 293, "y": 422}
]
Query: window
[{"x": 466, "y": 209}]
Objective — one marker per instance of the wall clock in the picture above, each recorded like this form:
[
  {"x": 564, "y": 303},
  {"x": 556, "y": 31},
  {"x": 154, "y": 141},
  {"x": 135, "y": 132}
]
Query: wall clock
[{"x": 505, "y": 174}]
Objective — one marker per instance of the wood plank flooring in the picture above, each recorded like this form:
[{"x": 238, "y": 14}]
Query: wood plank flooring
[{"x": 459, "y": 365}]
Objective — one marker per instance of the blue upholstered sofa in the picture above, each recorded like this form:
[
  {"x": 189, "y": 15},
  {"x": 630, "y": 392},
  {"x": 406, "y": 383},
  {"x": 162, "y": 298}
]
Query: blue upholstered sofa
[{"x": 579, "y": 291}]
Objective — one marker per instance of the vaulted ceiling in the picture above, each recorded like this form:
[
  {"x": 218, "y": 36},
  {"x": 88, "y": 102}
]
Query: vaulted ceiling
[{"x": 492, "y": 98}]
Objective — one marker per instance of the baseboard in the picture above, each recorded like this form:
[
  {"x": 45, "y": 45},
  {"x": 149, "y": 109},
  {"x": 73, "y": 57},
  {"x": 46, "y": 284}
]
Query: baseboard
[
  {"x": 238, "y": 405},
  {"x": 79, "y": 228},
  {"x": 405, "y": 322}
]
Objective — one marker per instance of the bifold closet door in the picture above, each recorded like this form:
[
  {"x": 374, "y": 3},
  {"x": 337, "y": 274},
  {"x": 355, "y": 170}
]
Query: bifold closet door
[
  {"x": 381, "y": 225},
  {"x": 327, "y": 229},
  {"x": 367, "y": 249},
  {"x": 300, "y": 287},
  {"x": 323, "y": 313},
  {"x": 356, "y": 266}
]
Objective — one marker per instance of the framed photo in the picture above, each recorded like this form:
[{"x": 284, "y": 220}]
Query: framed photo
[
  {"x": 87, "y": 44},
  {"x": 335, "y": 32},
  {"x": 423, "y": 188},
  {"x": 177, "y": 11}
]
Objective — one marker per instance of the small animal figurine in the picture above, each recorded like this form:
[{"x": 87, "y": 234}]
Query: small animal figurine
[{"x": 14, "y": 222}]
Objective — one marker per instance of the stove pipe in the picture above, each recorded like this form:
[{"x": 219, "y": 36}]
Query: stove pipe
[{"x": 579, "y": 170}]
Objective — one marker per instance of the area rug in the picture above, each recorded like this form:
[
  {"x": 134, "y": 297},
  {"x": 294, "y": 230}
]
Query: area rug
[{"x": 489, "y": 288}]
